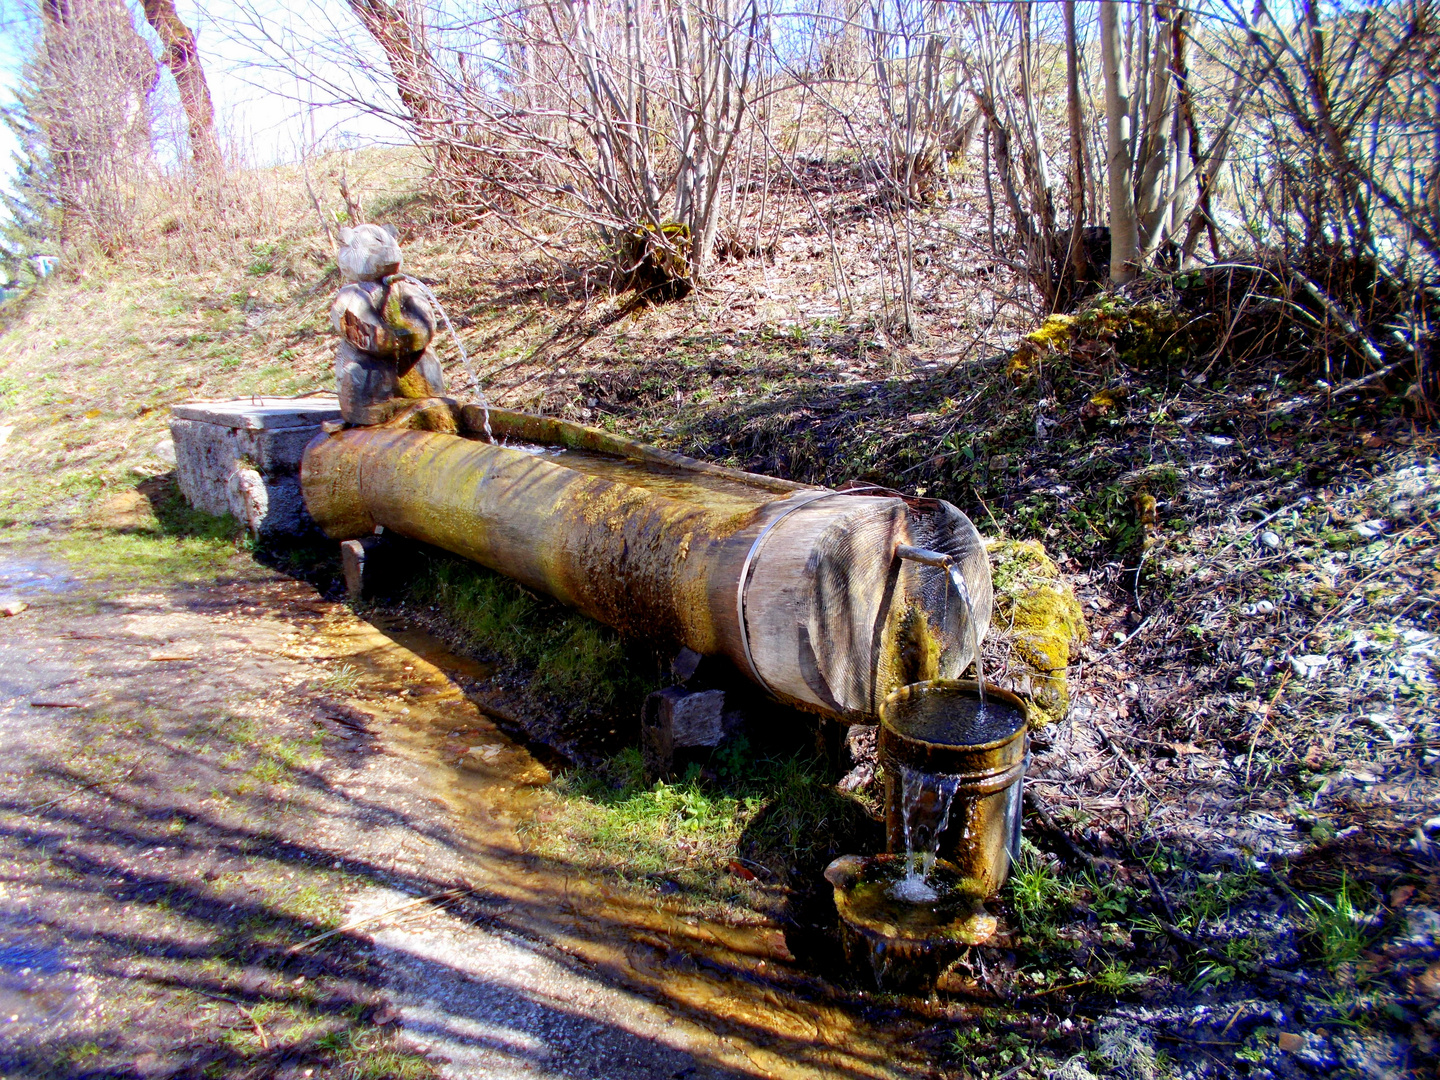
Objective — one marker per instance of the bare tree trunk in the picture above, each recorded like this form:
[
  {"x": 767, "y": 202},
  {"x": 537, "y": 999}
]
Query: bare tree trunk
[
  {"x": 1080, "y": 265},
  {"x": 182, "y": 57},
  {"x": 401, "y": 36},
  {"x": 1119, "y": 139}
]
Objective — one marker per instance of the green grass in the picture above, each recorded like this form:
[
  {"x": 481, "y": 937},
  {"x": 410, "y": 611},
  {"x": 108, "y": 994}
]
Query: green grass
[
  {"x": 1214, "y": 895},
  {"x": 593, "y": 667},
  {"x": 1038, "y": 897},
  {"x": 1336, "y": 927},
  {"x": 1116, "y": 977},
  {"x": 779, "y": 816},
  {"x": 342, "y": 679},
  {"x": 170, "y": 542}
]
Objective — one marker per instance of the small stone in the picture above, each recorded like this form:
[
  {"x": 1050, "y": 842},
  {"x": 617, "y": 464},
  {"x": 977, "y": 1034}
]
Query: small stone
[
  {"x": 1270, "y": 539},
  {"x": 165, "y": 451},
  {"x": 1218, "y": 440},
  {"x": 1402, "y": 896},
  {"x": 1290, "y": 1042},
  {"x": 1309, "y": 665},
  {"x": 10, "y": 607}
]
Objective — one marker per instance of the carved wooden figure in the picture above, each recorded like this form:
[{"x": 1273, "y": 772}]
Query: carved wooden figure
[{"x": 386, "y": 326}]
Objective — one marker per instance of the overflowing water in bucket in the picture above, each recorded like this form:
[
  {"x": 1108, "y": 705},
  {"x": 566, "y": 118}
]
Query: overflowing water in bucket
[{"x": 927, "y": 801}]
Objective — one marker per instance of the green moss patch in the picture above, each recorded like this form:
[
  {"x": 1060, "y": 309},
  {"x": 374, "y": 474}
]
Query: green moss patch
[{"x": 1038, "y": 617}]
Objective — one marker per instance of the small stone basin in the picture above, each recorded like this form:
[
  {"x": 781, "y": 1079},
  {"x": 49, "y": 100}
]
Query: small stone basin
[{"x": 906, "y": 944}]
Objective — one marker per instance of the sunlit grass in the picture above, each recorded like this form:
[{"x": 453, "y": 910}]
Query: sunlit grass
[
  {"x": 591, "y": 666},
  {"x": 766, "y": 816},
  {"x": 1337, "y": 927}
]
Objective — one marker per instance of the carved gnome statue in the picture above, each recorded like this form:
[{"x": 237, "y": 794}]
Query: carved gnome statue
[{"x": 385, "y": 325}]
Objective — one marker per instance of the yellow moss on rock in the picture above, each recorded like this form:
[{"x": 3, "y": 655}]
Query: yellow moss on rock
[
  {"x": 1054, "y": 334},
  {"x": 1037, "y": 615}
]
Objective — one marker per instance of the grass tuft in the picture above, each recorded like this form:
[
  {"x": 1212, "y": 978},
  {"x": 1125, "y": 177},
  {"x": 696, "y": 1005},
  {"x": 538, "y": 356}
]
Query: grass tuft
[
  {"x": 592, "y": 667},
  {"x": 1337, "y": 927}
]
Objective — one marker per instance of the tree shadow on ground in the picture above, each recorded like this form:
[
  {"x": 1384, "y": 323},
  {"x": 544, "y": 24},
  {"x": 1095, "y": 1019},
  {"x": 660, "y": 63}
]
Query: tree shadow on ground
[{"x": 179, "y": 859}]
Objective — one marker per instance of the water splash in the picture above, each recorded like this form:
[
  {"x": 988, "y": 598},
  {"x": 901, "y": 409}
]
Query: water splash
[
  {"x": 958, "y": 579},
  {"x": 925, "y": 800},
  {"x": 464, "y": 356}
]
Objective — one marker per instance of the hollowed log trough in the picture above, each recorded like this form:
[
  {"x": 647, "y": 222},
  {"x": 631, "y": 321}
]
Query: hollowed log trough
[{"x": 800, "y": 587}]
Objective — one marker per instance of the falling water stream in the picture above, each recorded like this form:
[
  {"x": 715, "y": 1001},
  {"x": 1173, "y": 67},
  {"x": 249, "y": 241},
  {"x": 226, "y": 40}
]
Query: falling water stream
[
  {"x": 464, "y": 356},
  {"x": 927, "y": 797},
  {"x": 958, "y": 579}
]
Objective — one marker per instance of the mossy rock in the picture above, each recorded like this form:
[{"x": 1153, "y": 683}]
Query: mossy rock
[
  {"x": 1037, "y": 615},
  {"x": 1054, "y": 335}
]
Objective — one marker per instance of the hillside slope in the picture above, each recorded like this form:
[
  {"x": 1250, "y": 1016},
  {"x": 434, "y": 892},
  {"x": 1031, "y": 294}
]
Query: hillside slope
[{"x": 1259, "y": 565}]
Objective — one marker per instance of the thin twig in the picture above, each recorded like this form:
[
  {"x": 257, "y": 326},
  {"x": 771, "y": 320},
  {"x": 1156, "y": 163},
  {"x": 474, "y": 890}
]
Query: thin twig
[
  {"x": 1264, "y": 719},
  {"x": 448, "y": 894},
  {"x": 76, "y": 791},
  {"x": 1124, "y": 758},
  {"x": 259, "y": 1031}
]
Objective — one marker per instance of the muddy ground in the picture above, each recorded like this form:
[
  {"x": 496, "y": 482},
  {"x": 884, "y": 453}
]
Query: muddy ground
[{"x": 202, "y": 781}]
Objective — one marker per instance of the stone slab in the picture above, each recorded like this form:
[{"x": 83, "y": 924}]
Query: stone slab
[
  {"x": 262, "y": 413},
  {"x": 243, "y": 458},
  {"x": 675, "y": 719}
]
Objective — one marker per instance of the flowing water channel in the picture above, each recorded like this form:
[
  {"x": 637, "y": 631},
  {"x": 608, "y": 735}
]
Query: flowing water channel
[{"x": 768, "y": 1015}]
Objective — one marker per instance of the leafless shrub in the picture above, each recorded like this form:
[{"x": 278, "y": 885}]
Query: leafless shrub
[
  {"x": 614, "y": 116},
  {"x": 1341, "y": 177},
  {"x": 87, "y": 91},
  {"x": 925, "y": 117}
]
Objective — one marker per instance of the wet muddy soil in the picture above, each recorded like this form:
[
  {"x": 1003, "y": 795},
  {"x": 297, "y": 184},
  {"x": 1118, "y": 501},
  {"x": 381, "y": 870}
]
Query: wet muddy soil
[{"x": 201, "y": 782}]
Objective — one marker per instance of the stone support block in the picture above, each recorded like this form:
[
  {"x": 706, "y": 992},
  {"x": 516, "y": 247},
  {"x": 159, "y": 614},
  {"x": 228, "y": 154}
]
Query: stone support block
[
  {"x": 243, "y": 458},
  {"x": 675, "y": 719},
  {"x": 365, "y": 564}
]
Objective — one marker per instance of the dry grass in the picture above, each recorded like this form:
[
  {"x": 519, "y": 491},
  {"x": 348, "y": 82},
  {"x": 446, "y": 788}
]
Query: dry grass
[
  {"x": 1194, "y": 741},
  {"x": 228, "y": 291}
]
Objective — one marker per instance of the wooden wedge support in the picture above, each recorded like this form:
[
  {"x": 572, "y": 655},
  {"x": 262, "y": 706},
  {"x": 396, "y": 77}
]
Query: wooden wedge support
[{"x": 799, "y": 587}]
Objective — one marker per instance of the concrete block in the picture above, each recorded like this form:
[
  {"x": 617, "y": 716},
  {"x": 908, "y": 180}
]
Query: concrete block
[
  {"x": 243, "y": 458},
  {"x": 363, "y": 562},
  {"x": 262, "y": 413},
  {"x": 675, "y": 719}
]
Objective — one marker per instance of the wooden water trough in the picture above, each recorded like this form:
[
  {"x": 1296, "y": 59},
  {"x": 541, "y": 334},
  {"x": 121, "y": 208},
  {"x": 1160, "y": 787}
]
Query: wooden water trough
[{"x": 804, "y": 589}]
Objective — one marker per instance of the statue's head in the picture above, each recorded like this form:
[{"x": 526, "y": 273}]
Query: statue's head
[{"x": 368, "y": 253}]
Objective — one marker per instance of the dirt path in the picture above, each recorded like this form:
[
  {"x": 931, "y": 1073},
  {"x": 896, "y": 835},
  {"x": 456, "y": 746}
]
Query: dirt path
[{"x": 199, "y": 780}]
